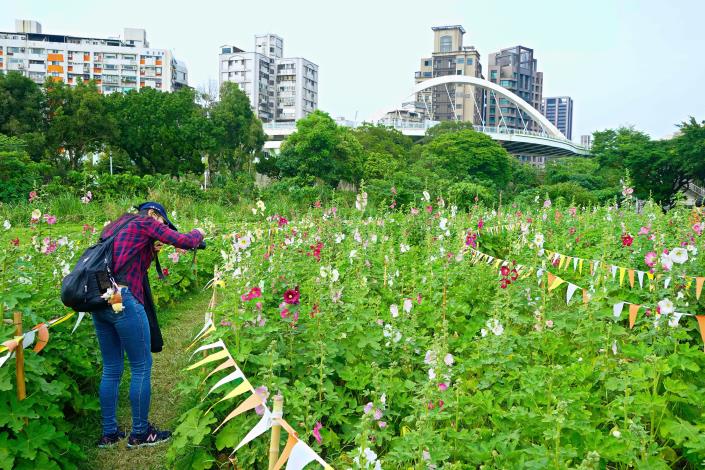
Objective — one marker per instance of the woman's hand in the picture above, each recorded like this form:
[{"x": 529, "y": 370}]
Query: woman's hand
[
  {"x": 158, "y": 246},
  {"x": 201, "y": 231}
]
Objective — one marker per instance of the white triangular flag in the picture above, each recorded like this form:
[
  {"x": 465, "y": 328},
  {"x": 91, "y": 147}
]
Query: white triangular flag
[
  {"x": 217, "y": 344},
  {"x": 301, "y": 455},
  {"x": 569, "y": 293},
  {"x": 78, "y": 322},
  {"x": 575, "y": 264},
  {"x": 208, "y": 324},
  {"x": 618, "y": 309},
  {"x": 666, "y": 283},
  {"x": 614, "y": 272},
  {"x": 260, "y": 428},
  {"x": 28, "y": 338},
  {"x": 640, "y": 275},
  {"x": 228, "y": 378},
  {"x": 675, "y": 318},
  {"x": 539, "y": 274},
  {"x": 595, "y": 266},
  {"x": 4, "y": 358}
]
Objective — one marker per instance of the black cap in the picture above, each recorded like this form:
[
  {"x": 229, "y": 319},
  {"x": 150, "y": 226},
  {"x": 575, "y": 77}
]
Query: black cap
[{"x": 159, "y": 209}]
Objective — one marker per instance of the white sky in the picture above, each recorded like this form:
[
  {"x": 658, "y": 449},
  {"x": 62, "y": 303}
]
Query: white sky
[{"x": 624, "y": 62}]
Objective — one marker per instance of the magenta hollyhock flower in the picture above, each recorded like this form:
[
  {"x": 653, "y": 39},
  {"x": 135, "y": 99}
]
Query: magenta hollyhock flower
[
  {"x": 480, "y": 224},
  {"x": 650, "y": 259},
  {"x": 284, "y": 313},
  {"x": 442, "y": 386},
  {"x": 50, "y": 219},
  {"x": 282, "y": 221},
  {"x": 292, "y": 296},
  {"x": 429, "y": 209},
  {"x": 317, "y": 432},
  {"x": 504, "y": 270},
  {"x": 255, "y": 293},
  {"x": 698, "y": 228}
]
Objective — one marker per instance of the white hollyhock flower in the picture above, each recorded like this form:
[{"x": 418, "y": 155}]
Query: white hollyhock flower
[
  {"x": 394, "y": 310},
  {"x": 449, "y": 360},
  {"x": 443, "y": 224},
  {"x": 407, "y": 305},
  {"x": 6, "y": 225},
  {"x": 665, "y": 307},
  {"x": 404, "y": 248},
  {"x": 679, "y": 255},
  {"x": 538, "y": 239},
  {"x": 334, "y": 275},
  {"x": 426, "y": 196}
]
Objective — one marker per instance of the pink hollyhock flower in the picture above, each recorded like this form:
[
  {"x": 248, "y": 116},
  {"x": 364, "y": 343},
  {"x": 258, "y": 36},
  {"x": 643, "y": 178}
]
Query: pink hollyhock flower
[
  {"x": 480, "y": 224},
  {"x": 378, "y": 414},
  {"x": 292, "y": 296},
  {"x": 174, "y": 257},
  {"x": 549, "y": 323},
  {"x": 414, "y": 211},
  {"x": 263, "y": 393},
  {"x": 317, "y": 432},
  {"x": 698, "y": 228},
  {"x": 295, "y": 317},
  {"x": 259, "y": 305},
  {"x": 317, "y": 204},
  {"x": 50, "y": 219},
  {"x": 32, "y": 196},
  {"x": 255, "y": 292},
  {"x": 627, "y": 240},
  {"x": 572, "y": 211},
  {"x": 547, "y": 203},
  {"x": 394, "y": 190},
  {"x": 284, "y": 313},
  {"x": 368, "y": 407},
  {"x": 225, "y": 323},
  {"x": 429, "y": 209},
  {"x": 382, "y": 424},
  {"x": 644, "y": 231},
  {"x": 442, "y": 386},
  {"x": 419, "y": 298},
  {"x": 431, "y": 405}
]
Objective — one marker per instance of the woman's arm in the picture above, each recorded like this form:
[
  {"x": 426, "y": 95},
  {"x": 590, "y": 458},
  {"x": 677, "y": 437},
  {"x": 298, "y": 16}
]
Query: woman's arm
[{"x": 166, "y": 235}]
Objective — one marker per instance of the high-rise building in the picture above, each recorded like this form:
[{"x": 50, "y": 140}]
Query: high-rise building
[
  {"x": 559, "y": 111},
  {"x": 586, "y": 141},
  {"x": 450, "y": 57},
  {"x": 515, "y": 69},
  {"x": 115, "y": 64},
  {"x": 280, "y": 89}
]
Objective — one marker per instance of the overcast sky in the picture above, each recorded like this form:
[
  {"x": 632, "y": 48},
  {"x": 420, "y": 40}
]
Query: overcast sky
[{"x": 624, "y": 62}]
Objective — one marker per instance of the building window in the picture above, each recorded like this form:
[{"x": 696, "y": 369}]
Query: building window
[
  {"x": 469, "y": 61},
  {"x": 427, "y": 63},
  {"x": 458, "y": 72},
  {"x": 460, "y": 60},
  {"x": 446, "y": 43},
  {"x": 493, "y": 75}
]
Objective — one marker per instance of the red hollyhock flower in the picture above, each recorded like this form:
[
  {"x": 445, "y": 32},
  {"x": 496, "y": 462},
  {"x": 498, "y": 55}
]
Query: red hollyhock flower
[
  {"x": 504, "y": 270},
  {"x": 515, "y": 274},
  {"x": 282, "y": 221},
  {"x": 16, "y": 241},
  {"x": 504, "y": 283},
  {"x": 627, "y": 239},
  {"x": 165, "y": 271},
  {"x": 292, "y": 296}
]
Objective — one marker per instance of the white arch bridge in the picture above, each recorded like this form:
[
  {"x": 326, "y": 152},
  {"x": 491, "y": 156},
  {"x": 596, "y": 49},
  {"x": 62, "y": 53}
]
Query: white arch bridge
[{"x": 536, "y": 136}]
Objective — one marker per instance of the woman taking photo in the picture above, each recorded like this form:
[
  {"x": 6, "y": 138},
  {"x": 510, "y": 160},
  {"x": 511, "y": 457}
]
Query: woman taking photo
[{"x": 127, "y": 329}]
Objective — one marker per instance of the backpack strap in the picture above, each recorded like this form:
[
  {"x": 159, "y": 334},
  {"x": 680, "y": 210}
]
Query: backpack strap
[{"x": 120, "y": 227}]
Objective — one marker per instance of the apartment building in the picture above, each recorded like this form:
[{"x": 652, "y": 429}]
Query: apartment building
[
  {"x": 559, "y": 111},
  {"x": 451, "y": 57},
  {"x": 280, "y": 89},
  {"x": 515, "y": 69},
  {"x": 586, "y": 141},
  {"x": 116, "y": 64}
]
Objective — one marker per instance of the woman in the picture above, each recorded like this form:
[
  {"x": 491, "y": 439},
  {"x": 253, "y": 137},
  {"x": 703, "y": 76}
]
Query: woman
[{"x": 128, "y": 330}]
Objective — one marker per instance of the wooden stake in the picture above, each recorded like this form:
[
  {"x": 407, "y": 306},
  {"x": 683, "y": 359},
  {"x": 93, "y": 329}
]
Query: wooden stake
[
  {"x": 277, "y": 412},
  {"x": 19, "y": 358}
]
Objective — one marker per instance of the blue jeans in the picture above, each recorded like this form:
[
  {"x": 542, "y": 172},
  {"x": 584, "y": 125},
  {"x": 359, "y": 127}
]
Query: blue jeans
[{"x": 126, "y": 331}]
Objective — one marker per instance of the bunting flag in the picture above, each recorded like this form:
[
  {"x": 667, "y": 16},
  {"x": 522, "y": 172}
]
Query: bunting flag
[
  {"x": 617, "y": 309},
  {"x": 554, "y": 282},
  {"x": 640, "y": 275},
  {"x": 633, "y": 310},
  {"x": 571, "y": 290},
  {"x": 699, "y": 286},
  {"x": 631, "y": 278},
  {"x": 297, "y": 454},
  {"x": 701, "y": 324},
  {"x": 39, "y": 332}
]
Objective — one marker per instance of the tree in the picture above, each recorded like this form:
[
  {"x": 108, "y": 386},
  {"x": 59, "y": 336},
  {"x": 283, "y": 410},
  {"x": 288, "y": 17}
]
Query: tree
[
  {"x": 445, "y": 127},
  {"x": 386, "y": 150},
  {"x": 78, "y": 120},
  {"x": 690, "y": 145},
  {"x": 467, "y": 155},
  {"x": 18, "y": 174},
  {"x": 322, "y": 149},
  {"x": 236, "y": 132},
  {"x": 658, "y": 168},
  {"x": 161, "y": 132},
  {"x": 22, "y": 112}
]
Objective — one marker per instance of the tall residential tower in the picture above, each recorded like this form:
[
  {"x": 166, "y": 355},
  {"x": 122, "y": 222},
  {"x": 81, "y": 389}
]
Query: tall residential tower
[
  {"x": 515, "y": 69},
  {"x": 280, "y": 89},
  {"x": 450, "y": 57},
  {"x": 559, "y": 110}
]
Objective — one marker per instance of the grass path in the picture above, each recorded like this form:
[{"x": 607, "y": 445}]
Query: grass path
[{"x": 179, "y": 324}]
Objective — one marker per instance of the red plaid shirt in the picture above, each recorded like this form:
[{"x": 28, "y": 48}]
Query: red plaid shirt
[{"x": 133, "y": 248}]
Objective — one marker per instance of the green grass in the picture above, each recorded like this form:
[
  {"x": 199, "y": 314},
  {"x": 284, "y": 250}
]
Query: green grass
[{"x": 178, "y": 324}]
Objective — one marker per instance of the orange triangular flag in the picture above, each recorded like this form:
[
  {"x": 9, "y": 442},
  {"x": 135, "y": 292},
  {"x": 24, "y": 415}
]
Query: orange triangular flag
[
  {"x": 586, "y": 297},
  {"x": 42, "y": 337},
  {"x": 633, "y": 310},
  {"x": 229, "y": 363},
  {"x": 699, "y": 286},
  {"x": 551, "y": 278},
  {"x": 631, "y": 278},
  {"x": 290, "y": 443},
  {"x": 253, "y": 401},
  {"x": 557, "y": 281},
  {"x": 701, "y": 324}
]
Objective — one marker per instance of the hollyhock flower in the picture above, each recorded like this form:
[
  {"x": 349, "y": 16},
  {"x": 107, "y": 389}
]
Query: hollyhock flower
[
  {"x": 449, "y": 360},
  {"x": 263, "y": 393},
  {"x": 317, "y": 432},
  {"x": 393, "y": 204},
  {"x": 538, "y": 239},
  {"x": 679, "y": 255},
  {"x": 174, "y": 257},
  {"x": 547, "y": 203},
  {"x": 292, "y": 296},
  {"x": 426, "y": 196},
  {"x": 378, "y": 414},
  {"x": 414, "y": 211},
  {"x": 431, "y": 374},
  {"x": 666, "y": 261},
  {"x": 382, "y": 424},
  {"x": 87, "y": 198},
  {"x": 284, "y": 313},
  {"x": 504, "y": 270},
  {"x": 50, "y": 219},
  {"x": 407, "y": 305},
  {"x": 514, "y": 275},
  {"x": 403, "y": 248},
  {"x": 165, "y": 271},
  {"x": 549, "y": 323},
  {"x": 698, "y": 228},
  {"x": 504, "y": 283},
  {"x": 480, "y": 224},
  {"x": 15, "y": 241},
  {"x": 368, "y": 407},
  {"x": 572, "y": 211},
  {"x": 644, "y": 231},
  {"x": 665, "y": 307},
  {"x": 36, "y": 214},
  {"x": 650, "y": 259},
  {"x": 495, "y": 326},
  {"x": 627, "y": 192},
  {"x": 394, "y": 310},
  {"x": 442, "y": 386},
  {"x": 430, "y": 357},
  {"x": 282, "y": 221},
  {"x": 627, "y": 239},
  {"x": 225, "y": 323},
  {"x": 429, "y": 209},
  {"x": 32, "y": 196}
]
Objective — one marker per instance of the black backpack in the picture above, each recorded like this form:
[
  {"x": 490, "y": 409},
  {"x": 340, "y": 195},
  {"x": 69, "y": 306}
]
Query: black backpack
[{"x": 83, "y": 287}]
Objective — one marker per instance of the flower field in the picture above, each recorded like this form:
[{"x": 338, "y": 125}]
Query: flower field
[{"x": 545, "y": 336}]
